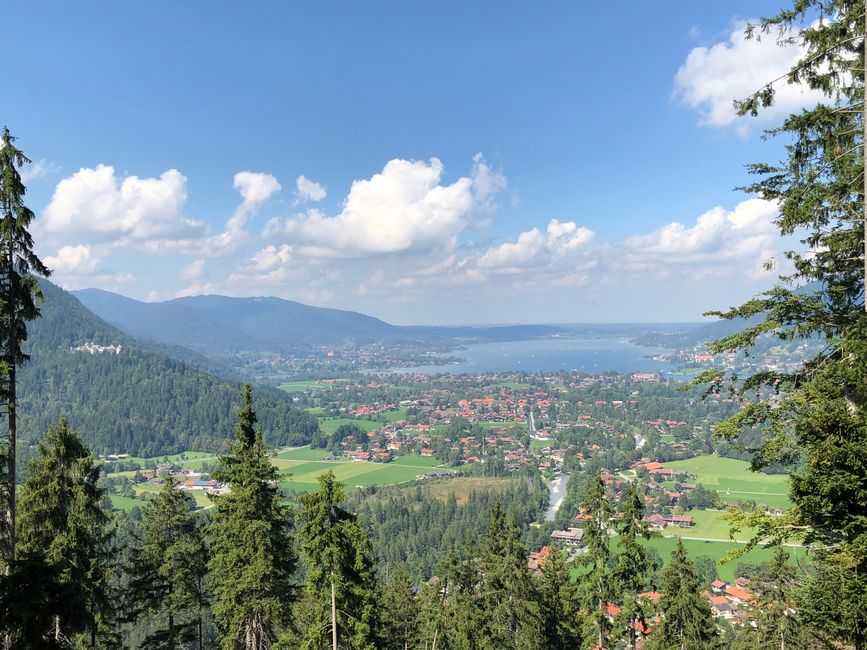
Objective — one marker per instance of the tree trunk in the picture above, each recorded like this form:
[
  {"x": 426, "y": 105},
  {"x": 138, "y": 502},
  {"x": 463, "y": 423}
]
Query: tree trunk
[
  {"x": 333, "y": 614},
  {"x": 199, "y": 627},
  {"x": 171, "y": 631},
  {"x": 57, "y": 635},
  {"x": 12, "y": 353}
]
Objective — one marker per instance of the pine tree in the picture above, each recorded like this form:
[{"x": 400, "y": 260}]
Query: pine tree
[
  {"x": 687, "y": 622},
  {"x": 508, "y": 599},
  {"x": 169, "y": 569},
  {"x": 252, "y": 557},
  {"x": 596, "y": 586},
  {"x": 815, "y": 415},
  {"x": 559, "y": 603},
  {"x": 400, "y": 612},
  {"x": 18, "y": 291},
  {"x": 340, "y": 572},
  {"x": 633, "y": 566},
  {"x": 63, "y": 527}
]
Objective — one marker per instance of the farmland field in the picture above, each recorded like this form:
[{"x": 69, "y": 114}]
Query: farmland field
[
  {"x": 734, "y": 481},
  {"x": 329, "y": 425},
  {"x": 302, "y": 475},
  {"x": 716, "y": 550}
]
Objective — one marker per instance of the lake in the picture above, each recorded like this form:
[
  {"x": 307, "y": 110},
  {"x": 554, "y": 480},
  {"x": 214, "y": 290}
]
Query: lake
[{"x": 587, "y": 355}]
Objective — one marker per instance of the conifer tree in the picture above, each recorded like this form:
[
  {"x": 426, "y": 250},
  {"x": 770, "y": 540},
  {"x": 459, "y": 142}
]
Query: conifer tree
[
  {"x": 596, "y": 586},
  {"x": 18, "y": 293},
  {"x": 169, "y": 569},
  {"x": 340, "y": 581},
  {"x": 775, "y": 587},
  {"x": 815, "y": 415},
  {"x": 687, "y": 622},
  {"x": 400, "y": 612},
  {"x": 633, "y": 564},
  {"x": 252, "y": 556},
  {"x": 63, "y": 527},
  {"x": 559, "y": 603},
  {"x": 508, "y": 599}
]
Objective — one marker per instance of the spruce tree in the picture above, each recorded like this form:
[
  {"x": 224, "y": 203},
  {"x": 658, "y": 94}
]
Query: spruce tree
[
  {"x": 775, "y": 587},
  {"x": 815, "y": 416},
  {"x": 596, "y": 586},
  {"x": 169, "y": 569},
  {"x": 634, "y": 566},
  {"x": 559, "y": 603},
  {"x": 63, "y": 528},
  {"x": 18, "y": 293},
  {"x": 687, "y": 622},
  {"x": 252, "y": 556},
  {"x": 340, "y": 580},
  {"x": 508, "y": 599},
  {"x": 400, "y": 612}
]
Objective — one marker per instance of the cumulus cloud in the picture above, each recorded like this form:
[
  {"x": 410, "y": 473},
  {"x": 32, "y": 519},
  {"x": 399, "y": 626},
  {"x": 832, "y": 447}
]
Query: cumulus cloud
[
  {"x": 255, "y": 189},
  {"x": 713, "y": 77},
  {"x": 405, "y": 207},
  {"x": 98, "y": 203},
  {"x": 534, "y": 248},
  {"x": 73, "y": 260},
  {"x": 727, "y": 240},
  {"x": 307, "y": 190}
]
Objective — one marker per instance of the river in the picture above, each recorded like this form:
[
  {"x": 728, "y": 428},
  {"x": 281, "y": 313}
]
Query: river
[{"x": 556, "y": 494}]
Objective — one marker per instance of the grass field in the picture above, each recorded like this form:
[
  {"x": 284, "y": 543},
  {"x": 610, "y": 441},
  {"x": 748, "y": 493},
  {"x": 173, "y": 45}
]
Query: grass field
[
  {"x": 394, "y": 416},
  {"x": 303, "y": 386},
  {"x": 710, "y": 524},
  {"x": 126, "y": 504},
  {"x": 734, "y": 481},
  {"x": 716, "y": 550},
  {"x": 184, "y": 457},
  {"x": 329, "y": 425},
  {"x": 302, "y": 476},
  {"x": 462, "y": 486}
]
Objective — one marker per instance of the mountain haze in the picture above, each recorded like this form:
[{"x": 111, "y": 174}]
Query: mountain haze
[{"x": 216, "y": 324}]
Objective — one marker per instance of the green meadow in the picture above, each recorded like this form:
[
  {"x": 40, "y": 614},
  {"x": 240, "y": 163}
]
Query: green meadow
[
  {"x": 329, "y": 425},
  {"x": 301, "y": 474},
  {"x": 734, "y": 481}
]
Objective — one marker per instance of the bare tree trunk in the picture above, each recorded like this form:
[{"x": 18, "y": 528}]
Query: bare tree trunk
[
  {"x": 12, "y": 353},
  {"x": 171, "y": 631},
  {"x": 333, "y": 614}
]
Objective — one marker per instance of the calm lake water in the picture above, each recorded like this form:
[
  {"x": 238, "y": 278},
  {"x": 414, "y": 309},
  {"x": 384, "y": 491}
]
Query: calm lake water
[{"x": 590, "y": 355}]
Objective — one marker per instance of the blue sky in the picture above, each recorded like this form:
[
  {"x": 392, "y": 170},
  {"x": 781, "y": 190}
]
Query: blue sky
[{"x": 464, "y": 162}]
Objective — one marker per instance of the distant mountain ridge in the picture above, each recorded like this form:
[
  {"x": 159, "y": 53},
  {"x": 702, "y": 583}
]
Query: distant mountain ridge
[{"x": 208, "y": 323}]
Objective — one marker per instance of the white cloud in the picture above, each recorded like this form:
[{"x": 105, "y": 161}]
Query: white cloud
[
  {"x": 98, "y": 203},
  {"x": 73, "y": 260},
  {"x": 255, "y": 189},
  {"x": 307, "y": 190},
  {"x": 533, "y": 248},
  {"x": 403, "y": 208},
  {"x": 193, "y": 270},
  {"x": 38, "y": 169},
  {"x": 713, "y": 77},
  {"x": 720, "y": 241},
  {"x": 198, "y": 289}
]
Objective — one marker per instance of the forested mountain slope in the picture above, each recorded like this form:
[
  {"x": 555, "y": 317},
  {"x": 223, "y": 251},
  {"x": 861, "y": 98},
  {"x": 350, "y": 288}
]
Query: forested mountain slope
[{"x": 139, "y": 401}]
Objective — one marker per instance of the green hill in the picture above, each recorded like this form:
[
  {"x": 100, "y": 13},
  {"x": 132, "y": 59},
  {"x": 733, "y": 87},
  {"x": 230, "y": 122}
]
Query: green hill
[{"x": 140, "y": 401}]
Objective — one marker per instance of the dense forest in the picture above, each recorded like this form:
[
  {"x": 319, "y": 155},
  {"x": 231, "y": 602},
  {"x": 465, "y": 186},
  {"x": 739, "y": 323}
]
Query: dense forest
[{"x": 141, "y": 402}]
